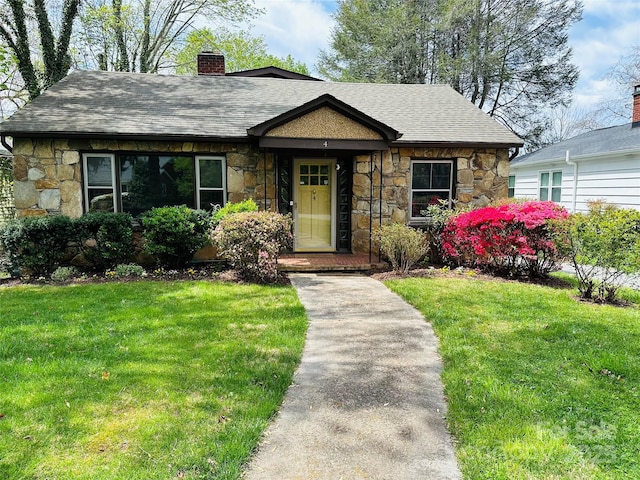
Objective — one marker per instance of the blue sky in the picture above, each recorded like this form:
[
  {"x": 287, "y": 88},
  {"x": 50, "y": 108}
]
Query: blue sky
[{"x": 608, "y": 29}]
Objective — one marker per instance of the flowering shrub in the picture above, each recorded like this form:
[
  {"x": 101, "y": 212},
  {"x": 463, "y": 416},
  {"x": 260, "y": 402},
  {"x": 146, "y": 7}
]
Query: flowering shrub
[
  {"x": 402, "y": 245},
  {"x": 252, "y": 241},
  {"x": 515, "y": 239}
]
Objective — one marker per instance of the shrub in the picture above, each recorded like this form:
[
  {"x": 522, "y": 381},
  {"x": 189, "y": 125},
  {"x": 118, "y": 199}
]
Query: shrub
[
  {"x": 36, "y": 244},
  {"x": 106, "y": 238},
  {"x": 252, "y": 241},
  {"x": 62, "y": 274},
  {"x": 129, "y": 270},
  {"x": 229, "y": 208},
  {"x": 514, "y": 239},
  {"x": 604, "y": 245},
  {"x": 174, "y": 234},
  {"x": 402, "y": 245},
  {"x": 438, "y": 216}
]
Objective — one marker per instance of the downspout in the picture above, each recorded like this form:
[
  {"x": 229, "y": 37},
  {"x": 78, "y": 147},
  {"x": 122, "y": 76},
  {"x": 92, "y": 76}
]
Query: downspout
[
  {"x": 575, "y": 181},
  {"x": 3, "y": 140}
]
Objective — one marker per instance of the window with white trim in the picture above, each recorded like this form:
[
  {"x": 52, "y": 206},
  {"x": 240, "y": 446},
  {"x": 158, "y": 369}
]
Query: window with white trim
[
  {"x": 431, "y": 182},
  {"x": 135, "y": 183},
  {"x": 551, "y": 186},
  {"x": 511, "y": 192}
]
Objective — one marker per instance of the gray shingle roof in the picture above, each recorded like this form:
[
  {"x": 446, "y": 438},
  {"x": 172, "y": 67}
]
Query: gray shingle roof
[
  {"x": 603, "y": 140},
  {"x": 108, "y": 103}
]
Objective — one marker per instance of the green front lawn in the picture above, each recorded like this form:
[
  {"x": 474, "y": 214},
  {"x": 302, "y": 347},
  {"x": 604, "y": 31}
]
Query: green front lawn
[
  {"x": 540, "y": 385},
  {"x": 142, "y": 380}
]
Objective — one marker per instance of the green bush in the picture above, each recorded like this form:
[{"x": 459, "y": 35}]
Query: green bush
[
  {"x": 438, "y": 216},
  {"x": 174, "y": 234},
  {"x": 402, "y": 245},
  {"x": 129, "y": 270},
  {"x": 229, "y": 208},
  {"x": 36, "y": 244},
  {"x": 106, "y": 238},
  {"x": 252, "y": 241},
  {"x": 604, "y": 245},
  {"x": 62, "y": 274}
]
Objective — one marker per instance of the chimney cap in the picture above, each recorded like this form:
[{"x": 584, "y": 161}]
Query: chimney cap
[{"x": 636, "y": 90}]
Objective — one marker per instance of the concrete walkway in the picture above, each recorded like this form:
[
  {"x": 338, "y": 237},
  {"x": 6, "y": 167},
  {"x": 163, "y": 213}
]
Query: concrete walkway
[{"x": 367, "y": 401}]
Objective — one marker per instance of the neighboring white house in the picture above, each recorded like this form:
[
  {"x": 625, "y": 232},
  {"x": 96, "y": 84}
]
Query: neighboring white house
[{"x": 601, "y": 164}]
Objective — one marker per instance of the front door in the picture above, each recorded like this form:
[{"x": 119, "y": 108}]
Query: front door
[{"x": 314, "y": 204}]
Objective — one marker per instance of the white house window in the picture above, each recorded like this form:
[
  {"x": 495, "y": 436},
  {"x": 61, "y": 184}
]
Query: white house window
[
  {"x": 551, "y": 186},
  {"x": 431, "y": 181},
  {"x": 135, "y": 183},
  {"x": 211, "y": 182},
  {"x": 511, "y": 192},
  {"x": 99, "y": 182}
]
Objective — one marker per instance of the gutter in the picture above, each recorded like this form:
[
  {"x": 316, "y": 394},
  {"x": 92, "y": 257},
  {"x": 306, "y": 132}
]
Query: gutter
[
  {"x": 575, "y": 181},
  {"x": 3, "y": 140},
  {"x": 587, "y": 156}
]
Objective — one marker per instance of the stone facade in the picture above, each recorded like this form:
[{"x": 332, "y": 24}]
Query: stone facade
[
  {"x": 48, "y": 175},
  {"x": 481, "y": 177}
]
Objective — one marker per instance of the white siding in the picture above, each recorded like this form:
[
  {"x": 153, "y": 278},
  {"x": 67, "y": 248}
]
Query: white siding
[{"x": 613, "y": 179}]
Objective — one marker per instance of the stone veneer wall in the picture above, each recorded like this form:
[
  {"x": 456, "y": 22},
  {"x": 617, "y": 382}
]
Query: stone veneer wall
[
  {"x": 481, "y": 177},
  {"x": 48, "y": 176}
]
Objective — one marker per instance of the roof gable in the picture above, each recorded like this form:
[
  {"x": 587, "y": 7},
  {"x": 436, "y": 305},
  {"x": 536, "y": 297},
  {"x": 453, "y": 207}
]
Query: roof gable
[
  {"x": 272, "y": 72},
  {"x": 325, "y": 117}
]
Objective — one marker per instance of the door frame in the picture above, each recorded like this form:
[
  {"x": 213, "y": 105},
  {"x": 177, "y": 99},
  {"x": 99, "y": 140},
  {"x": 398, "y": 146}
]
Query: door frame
[{"x": 332, "y": 162}]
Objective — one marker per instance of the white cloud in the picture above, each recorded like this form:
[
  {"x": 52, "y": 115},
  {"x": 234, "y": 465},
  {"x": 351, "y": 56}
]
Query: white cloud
[
  {"x": 297, "y": 27},
  {"x": 608, "y": 29}
]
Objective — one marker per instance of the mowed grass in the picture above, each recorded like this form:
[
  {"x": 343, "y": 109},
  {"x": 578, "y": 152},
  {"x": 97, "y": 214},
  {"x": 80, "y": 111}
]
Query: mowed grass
[
  {"x": 540, "y": 385},
  {"x": 143, "y": 380}
]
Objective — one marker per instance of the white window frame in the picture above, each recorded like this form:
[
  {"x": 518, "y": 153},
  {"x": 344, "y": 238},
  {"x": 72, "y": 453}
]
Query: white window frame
[
  {"x": 549, "y": 188},
  {"x": 411, "y": 189},
  {"x": 510, "y": 188},
  {"x": 114, "y": 178},
  {"x": 223, "y": 161},
  {"x": 87, "y": 187}
]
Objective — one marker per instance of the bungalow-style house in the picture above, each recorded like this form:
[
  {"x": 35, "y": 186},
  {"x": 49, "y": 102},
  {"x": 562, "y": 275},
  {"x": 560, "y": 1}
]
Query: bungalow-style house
[
  {"x": 603, "y": 164},
  {"x": 340, "y": 157}
]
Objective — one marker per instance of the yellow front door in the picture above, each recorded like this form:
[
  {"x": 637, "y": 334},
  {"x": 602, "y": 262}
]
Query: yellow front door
[{"x": 314, "y": 230}]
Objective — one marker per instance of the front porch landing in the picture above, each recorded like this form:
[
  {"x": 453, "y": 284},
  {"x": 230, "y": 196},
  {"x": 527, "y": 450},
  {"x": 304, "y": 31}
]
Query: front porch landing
[{"x": 328, "y": 262}]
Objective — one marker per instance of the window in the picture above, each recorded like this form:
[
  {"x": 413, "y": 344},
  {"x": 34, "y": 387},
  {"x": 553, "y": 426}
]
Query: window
[
  {"x": 137, "y": 183},
  {"x": 431, "y": 181},
  {"x": 551, "y": 186},
  {"x": 512, "y": 186}
]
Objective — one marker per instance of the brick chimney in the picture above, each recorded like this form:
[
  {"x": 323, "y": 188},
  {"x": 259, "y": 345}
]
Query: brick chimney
[
  {"x": 636, "y": 106},
  {"x": 210, "y": 63}
]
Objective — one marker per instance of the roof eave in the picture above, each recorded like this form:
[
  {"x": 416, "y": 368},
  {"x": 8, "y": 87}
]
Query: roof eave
[
  {"x": 576, "y": 158},
  {"x": 127, "y": 136},
  {"x": 454, "y": 144}
]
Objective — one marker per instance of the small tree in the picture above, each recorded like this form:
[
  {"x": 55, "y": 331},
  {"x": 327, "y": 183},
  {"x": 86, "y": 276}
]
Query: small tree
[{"x": 604, "y": 246}]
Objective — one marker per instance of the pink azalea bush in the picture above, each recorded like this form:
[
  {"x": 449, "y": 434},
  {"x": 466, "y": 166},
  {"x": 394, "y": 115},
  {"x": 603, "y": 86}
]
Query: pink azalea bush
[{"x": 514, "y": 239}]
